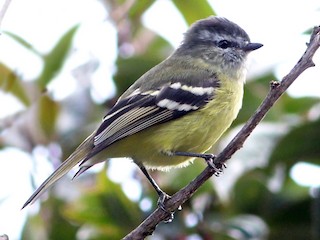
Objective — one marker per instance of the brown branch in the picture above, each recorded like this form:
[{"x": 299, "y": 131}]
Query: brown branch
[{"x": 276, "y": 90}]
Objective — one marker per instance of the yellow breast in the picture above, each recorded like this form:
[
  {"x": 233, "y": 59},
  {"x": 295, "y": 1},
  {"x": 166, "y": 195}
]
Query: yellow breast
[{"x": 194, "y": 132}]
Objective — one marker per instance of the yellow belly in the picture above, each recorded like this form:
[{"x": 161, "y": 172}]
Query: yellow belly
[{"x": 195, "y": 132}]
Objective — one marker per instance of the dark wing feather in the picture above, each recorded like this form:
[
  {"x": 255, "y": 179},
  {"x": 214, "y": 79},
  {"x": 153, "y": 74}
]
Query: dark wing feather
[{"x": 140, "y": 111}]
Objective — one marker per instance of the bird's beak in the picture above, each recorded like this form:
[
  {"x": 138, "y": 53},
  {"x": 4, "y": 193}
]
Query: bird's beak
[{"x": 252, "y": 46}]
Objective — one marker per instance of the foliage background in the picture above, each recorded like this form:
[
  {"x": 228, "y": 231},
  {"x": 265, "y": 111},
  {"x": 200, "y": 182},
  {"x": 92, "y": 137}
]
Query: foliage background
[{"x": 256, "y": 198}]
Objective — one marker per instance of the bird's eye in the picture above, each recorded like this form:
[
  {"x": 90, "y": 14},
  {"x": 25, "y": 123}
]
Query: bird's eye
[{"x": 224, "y": 44}]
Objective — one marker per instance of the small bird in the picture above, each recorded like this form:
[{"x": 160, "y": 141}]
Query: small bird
[{"x": 176, "y": 111}]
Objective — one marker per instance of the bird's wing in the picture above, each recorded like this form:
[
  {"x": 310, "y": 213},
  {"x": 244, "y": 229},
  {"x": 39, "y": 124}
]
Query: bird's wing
[
  {"x": 130, "y": 115},
  {"x": 141, "y": 110}
]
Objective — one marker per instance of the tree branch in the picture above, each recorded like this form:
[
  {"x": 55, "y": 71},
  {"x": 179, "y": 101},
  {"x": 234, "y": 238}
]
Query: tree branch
[{"x": 276, "y": 90}]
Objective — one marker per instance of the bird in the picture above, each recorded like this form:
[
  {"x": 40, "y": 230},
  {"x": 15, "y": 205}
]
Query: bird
[{"x": 176, "y": 111}]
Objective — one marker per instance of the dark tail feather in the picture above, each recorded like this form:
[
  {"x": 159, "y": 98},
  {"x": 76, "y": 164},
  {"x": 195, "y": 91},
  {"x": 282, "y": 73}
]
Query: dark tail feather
[
  {"x": 77, "y": 156},
  {"x": 81, "y": 170}
]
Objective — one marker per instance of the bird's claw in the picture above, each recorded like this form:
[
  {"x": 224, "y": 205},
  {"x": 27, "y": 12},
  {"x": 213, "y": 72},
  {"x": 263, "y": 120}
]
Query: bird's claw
[
  {"x": 217, "y": 167},
  {"x": 163, "y": 197}
]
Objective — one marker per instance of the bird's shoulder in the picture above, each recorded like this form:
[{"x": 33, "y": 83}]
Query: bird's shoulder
[
  {"x": 185, "y": 70},
  {"x": 167, "y": 92}
]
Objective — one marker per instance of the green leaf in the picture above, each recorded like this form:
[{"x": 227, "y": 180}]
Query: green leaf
[
  {"x": 291, "y": 219},
  {"x": 257, "y": 90},
  {"x": 104, "y": 208},
  {"x": 194, "y": 10},
  {"x": 250, "y": 193},
  {"x": 254, "y": 93},
  {"x": 23, "y": 42},
  {"x": 298, "y": 105},
  {"x": 48, "y": 111},
  {"x": 301, "y": 143},
  {"x": 308, "y": 31},
  {"x": 53, "y": 61},
  {"x": 139, "y": 8},
  {"x": 130, "y": 69},
  {"x": 11, "y": 83}
]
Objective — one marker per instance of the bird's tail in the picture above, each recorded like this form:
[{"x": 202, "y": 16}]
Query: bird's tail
[{"x": 77, "y": 156}]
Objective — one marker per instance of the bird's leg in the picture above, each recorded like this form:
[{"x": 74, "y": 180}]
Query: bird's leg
[
  {"x": 208, "y": 157},
  {"x": 162, "y": 195}
]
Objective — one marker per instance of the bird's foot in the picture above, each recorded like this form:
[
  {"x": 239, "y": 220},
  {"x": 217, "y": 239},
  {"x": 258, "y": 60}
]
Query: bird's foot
[
  {"x": 163, "y": 197},
  {"x": 208, "y": 157},
  {"x": 217, "y": 167}
]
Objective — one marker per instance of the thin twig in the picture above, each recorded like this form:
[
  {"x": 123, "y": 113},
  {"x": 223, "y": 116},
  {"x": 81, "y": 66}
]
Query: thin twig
[
  {"x": 276, "y": 90},
  {"x": 4, "y": 9}
]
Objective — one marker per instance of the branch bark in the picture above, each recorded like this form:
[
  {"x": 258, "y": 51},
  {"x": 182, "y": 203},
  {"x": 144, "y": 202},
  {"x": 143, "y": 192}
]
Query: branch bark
[{"x": 148, "y": 226}]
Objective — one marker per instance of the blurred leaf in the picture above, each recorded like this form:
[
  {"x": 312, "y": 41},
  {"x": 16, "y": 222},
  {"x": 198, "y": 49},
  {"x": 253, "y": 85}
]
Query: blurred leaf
[
  {"x": 48, "y": 223},
  {"x": 23, "y": 42},
  {"x": 291, "y": 193},
  {"x": 301, "y": 143},
  {"x": 130, "y": 69},
  {"x": 139, "y": 8},
  {"x": 250, "y": 193},
  {"x": 289, "y": 207},
  {"x": 53, "y": 61},
  {"x": 254, "y": 93},
  {"x": 59, "y": 227},
  {"x": 105, "y": 208},
  {"x": 247, "y": 227},
  {"x": 11, "y": 83},
  {"x": 308, "y": 31},
  {"x": 298, "y": 105},
  {"x": 194, "y": 10},
  {"x": 291, "y": 220},
  {"x": 48, "y": 111}
]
